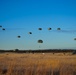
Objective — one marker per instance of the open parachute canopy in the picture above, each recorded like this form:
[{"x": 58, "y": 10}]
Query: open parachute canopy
[
  {"x": 0, "y": 26},
  {"x": 3, "y": 28},
  {"x": 40, "y": 41},
  {"x": 49, "y": 28},
  {"x": 58, "y": 29},
  {"x": 29, "y": 32},
  {"x": 74, "y": 38},
  {"x": 19, "y": 36},
  {"x": 39, "y": 28}
]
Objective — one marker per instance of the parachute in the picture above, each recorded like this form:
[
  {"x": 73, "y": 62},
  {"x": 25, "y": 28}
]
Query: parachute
[
  {"x": 0, "y": 26},
  {"x": 58, "y": 29},
  {"x": 30, "y": 32},
  {"x": 3, "y": 28},
  {"x": 49, "y": 28},
  {"x": 19, "y": 36},
  {"x": 39, "y": 28},
  {"x": 40, "y": 41},
  {"x": 74, "y": 38}
]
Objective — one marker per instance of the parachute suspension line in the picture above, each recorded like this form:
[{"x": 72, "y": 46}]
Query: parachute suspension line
[{"x": 39, "y": 46}]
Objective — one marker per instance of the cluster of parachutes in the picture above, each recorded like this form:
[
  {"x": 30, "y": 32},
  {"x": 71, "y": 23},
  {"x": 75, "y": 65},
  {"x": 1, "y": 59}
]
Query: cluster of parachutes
[
  {"x": 39, "y": 41},
  {"x": 49, "y": 28}
]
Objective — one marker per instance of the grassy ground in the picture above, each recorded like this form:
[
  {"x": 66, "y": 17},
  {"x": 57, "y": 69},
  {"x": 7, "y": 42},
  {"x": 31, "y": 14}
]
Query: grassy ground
[{"x": 37, "y": 64}]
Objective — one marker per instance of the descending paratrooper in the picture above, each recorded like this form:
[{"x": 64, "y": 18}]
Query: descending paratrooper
[{"x": 40, "y": 41}]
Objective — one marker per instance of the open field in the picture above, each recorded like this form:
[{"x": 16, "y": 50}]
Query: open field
[{"x": 37, "y": 64}]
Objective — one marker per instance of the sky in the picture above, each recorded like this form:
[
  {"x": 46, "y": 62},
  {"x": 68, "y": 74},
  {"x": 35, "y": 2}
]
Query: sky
[{"x": 19, "y": 17}]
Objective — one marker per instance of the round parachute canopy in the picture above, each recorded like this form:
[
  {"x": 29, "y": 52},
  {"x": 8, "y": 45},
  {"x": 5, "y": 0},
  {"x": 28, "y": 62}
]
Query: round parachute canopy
[
  {"x": 39, "y": 28},
  {"x": 19, "y": 36},
  {"x": 0, "y": 26},
  {"x": 58, "y": 29},
  {"x": 74, "y": 38},
  {"x": 3, "y": 28},
  {"x": 49, "y": 28},
  {"x": 40, "y": 41},
  {"x": 30, "y": 32}
]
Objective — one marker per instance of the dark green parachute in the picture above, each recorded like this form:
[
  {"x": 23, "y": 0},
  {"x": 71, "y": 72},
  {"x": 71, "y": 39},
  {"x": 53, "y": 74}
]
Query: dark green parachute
[
  {"x": 29, "y": 32},
  {"x": 74, "y": 38},
  {"x": 49, "y": 28},
  {"x": 19, "y": 36},
  {"x": 0, "y": 26},
  {"x": 39, "y": 28},
  {"x": 40, "y": 41},
  {"x": 3, "y": 28},
  {"x": 58, "y": 28}
]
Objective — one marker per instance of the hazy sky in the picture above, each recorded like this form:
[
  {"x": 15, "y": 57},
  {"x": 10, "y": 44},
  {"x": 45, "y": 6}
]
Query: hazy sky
[{"x": 19, "y": 17}]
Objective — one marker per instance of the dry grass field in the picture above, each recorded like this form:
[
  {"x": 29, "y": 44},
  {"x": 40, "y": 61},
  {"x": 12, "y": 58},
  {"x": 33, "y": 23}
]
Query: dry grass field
[{"x": 37, "y": 64}]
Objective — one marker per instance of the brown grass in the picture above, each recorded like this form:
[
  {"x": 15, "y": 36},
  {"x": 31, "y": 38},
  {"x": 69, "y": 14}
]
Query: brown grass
[{"x": 37, "y": 64}]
